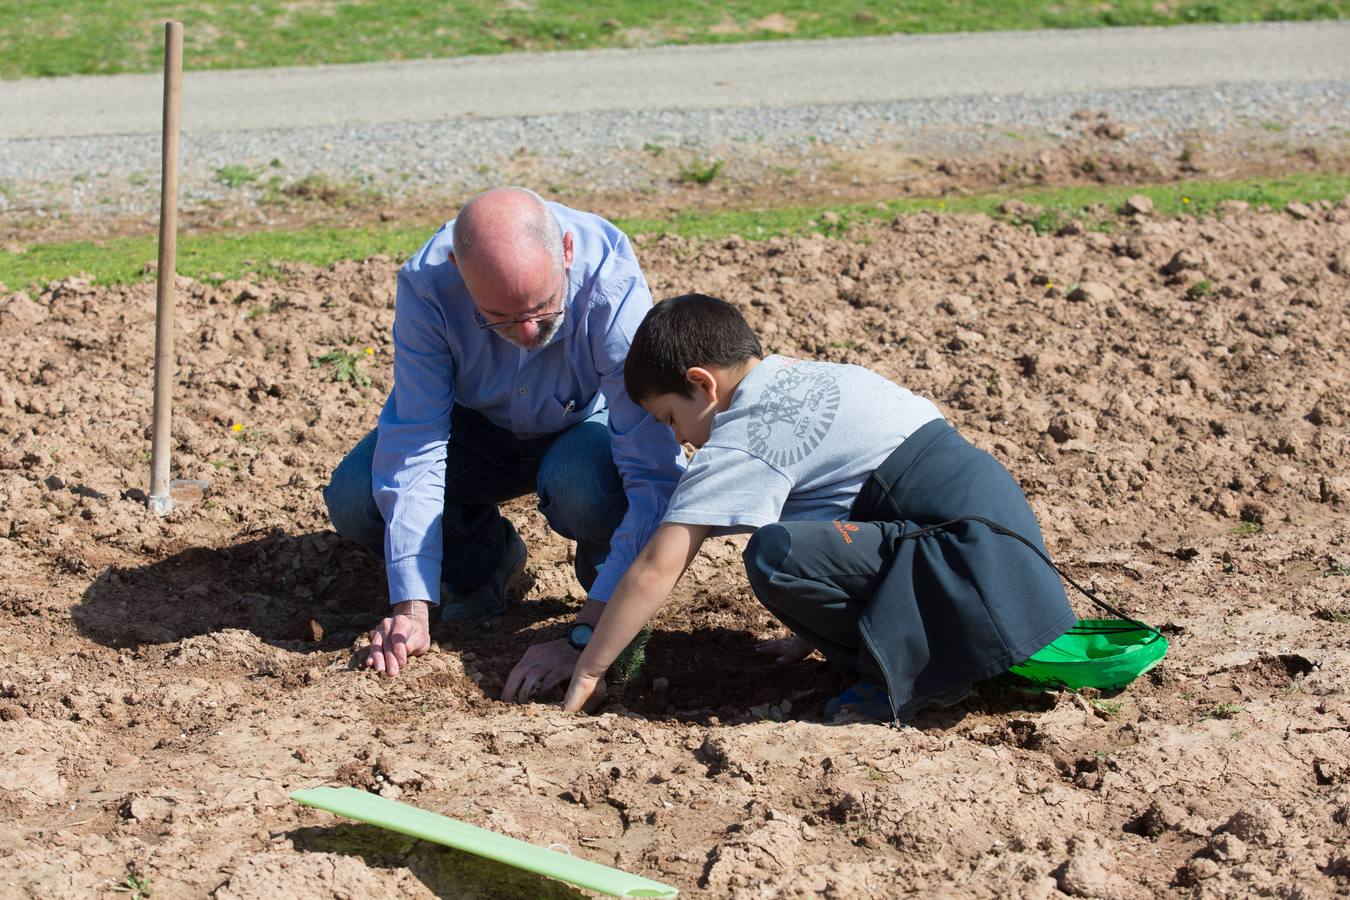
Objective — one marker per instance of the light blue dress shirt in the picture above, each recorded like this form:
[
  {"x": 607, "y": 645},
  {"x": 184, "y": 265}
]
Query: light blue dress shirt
[{"x": 442, "y": 357}]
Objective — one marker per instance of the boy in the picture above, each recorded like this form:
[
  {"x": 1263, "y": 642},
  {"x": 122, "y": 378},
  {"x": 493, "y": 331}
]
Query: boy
[{"x": 841, "y": 475}]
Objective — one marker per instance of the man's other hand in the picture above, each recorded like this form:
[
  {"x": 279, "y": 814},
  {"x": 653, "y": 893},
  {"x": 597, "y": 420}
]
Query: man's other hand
[
  {"x": 788, "y": 650},
  {"x": 403, "y": 635},
  {"x": 542, "y": 668}
]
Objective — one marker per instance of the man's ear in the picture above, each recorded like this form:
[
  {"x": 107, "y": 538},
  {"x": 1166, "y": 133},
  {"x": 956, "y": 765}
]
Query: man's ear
[
  {"x": 702, "y": 382},
  {"x": 567, "y": 249}
]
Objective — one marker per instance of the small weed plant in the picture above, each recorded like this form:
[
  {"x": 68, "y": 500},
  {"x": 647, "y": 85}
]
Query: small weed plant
[
  {"x": 320, "y": 188},
  {"x": 235, "y": 176},
  {"x": 1200, "y": 289},
  {"x": 344, "y": 365},
  {"x": 1223, "y": 711},
  {"x": 701, "y": 171},
  {"x": 136, "y": 886},
  {"x": 1110, "y": 708},
  {"x": 1247, "y": 528}
]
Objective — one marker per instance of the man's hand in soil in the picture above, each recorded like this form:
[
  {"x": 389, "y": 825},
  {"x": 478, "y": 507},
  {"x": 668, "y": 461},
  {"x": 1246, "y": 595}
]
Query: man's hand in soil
[
  {"x": 545, "y": 666},
  {"x": 542, "y": 668},
  {"x": 788, "y": 650},
  {"x": 403, "y": 635}
]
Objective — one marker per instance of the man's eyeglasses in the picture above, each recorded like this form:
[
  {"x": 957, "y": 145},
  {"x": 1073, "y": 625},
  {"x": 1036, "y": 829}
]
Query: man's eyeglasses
[{"x": 542, "y": 318}]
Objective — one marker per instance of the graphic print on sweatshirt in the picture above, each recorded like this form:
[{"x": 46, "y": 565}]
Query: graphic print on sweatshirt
[{"x": 796, "y": 410}]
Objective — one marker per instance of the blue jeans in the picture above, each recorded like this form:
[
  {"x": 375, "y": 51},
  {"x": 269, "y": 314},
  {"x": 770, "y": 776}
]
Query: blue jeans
[{"x": 580, "y": 495}]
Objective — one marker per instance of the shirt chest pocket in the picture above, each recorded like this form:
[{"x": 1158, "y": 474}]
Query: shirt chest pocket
[{"x": 560, "y": 412}]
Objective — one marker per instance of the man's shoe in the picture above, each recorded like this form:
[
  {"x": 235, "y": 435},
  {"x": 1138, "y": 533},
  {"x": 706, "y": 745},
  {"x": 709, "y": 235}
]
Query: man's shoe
[{"x": 490, "y": 598}]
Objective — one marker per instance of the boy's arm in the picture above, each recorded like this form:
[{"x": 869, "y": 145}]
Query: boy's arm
[{"x": 639, "y": 594}]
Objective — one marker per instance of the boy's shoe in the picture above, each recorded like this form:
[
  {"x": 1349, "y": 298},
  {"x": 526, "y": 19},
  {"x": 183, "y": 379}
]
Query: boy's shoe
[
  {"x": 490, "y": 598},
  {"x": 870, "y": 699},
  {"x": 866, "y": 698}
]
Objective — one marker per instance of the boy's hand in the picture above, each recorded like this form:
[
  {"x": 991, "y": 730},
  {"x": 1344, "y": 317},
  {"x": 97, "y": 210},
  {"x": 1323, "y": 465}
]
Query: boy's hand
[
  {"x": 789, "y": 649},
  {"x": 403, "y": 635},
  {"x": 585, "y": 693}
]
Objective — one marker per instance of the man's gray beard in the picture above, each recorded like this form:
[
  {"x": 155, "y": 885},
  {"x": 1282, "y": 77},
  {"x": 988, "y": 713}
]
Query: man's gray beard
[{"x": 543, "y": 336}]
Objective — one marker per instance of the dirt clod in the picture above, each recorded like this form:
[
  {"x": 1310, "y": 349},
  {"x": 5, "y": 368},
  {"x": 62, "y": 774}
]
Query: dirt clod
[{"x": 1138, "y": 205}]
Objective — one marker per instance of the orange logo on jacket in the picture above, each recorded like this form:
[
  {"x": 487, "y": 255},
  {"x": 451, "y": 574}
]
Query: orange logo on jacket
[{"x": 844, "y": 529}]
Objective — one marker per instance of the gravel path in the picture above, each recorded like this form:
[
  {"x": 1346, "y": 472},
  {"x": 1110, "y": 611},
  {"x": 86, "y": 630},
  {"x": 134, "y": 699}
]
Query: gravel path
[{"x": 932, "y": 94}]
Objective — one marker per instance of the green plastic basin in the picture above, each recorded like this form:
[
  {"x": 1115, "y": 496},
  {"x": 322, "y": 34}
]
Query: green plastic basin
[{"x": 1099, "y": 653}]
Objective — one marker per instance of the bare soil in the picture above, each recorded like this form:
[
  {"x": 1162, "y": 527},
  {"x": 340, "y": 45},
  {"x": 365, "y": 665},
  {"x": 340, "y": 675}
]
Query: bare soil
[{"x": 1174, "y": 396}]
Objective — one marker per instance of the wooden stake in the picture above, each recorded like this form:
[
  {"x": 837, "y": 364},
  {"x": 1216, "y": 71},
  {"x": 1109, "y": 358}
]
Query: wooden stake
[{"x": 160, "y": 500}]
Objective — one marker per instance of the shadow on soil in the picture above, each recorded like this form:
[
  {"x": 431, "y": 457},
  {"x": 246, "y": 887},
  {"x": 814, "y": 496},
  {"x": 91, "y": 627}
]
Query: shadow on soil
[
  {"x": 444, "y": 871},
  {"x": 301, "y": 592},
  {"x": 317, "y": 593}
]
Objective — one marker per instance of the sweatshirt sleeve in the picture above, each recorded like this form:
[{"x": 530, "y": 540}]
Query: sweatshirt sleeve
[{"x": 645, "y": 452}]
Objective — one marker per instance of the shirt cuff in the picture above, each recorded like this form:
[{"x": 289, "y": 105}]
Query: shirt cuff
[
  {"x": 415, "y": 578},
  {"x": 606, "y": 581}
]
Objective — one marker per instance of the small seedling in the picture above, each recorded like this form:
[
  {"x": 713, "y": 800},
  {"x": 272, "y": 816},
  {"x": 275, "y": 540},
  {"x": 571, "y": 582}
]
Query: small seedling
[
  {"x": 1247, "y": 528},
  {"x": 631, "y": 660},
  {"x": 344, "y": 365},
  {"x": 1336, "y": 569},
  {"x": 1224, "y": 711},
  {"x": 701, "y": 171},
  {"x": 1202, "y": 288},
  {"x": 653, "y": 149},
  {"x": 235, "y": 176},
  {"x": 257, "y": 310}
]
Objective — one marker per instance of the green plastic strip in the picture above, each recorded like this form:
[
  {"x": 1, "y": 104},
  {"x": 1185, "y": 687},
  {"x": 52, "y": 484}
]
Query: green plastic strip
[{"x": 430, "y": 826}]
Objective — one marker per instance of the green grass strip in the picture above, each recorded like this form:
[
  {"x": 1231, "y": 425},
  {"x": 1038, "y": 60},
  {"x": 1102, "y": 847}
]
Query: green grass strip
[
  {"x": 218, "y": 256},
  {"x": 85, "y": 37}
]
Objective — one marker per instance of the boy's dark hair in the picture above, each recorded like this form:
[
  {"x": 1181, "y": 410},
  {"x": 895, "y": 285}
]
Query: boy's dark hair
[{"x": 679, "y": 334}]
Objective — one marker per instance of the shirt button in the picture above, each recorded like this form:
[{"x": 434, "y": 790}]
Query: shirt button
[{"x": 522, "y": 392}]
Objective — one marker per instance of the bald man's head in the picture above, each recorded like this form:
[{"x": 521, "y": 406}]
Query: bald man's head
[
  {"x": 496, "y": 229},
  {"x": 513, "y": 256}
]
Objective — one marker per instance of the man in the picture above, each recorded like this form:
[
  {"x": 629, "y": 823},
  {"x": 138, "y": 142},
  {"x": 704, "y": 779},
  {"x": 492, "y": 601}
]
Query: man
[{"x": 511, "y": 328}]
